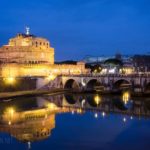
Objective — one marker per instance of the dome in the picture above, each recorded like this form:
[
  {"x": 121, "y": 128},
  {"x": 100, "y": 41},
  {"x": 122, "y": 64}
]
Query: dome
[{"x": 113, "y": 62}]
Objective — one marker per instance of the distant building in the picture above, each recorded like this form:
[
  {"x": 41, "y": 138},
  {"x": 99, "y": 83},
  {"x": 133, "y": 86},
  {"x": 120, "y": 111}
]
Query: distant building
[
  {"x": 111, "y": 64},
  {"x": 141, "y": 63}
]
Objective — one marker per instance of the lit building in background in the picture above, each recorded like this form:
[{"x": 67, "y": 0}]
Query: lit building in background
[
  {"x": 117, "y": 64},
  {"x": 28, "y": 55},
  {"x": 142, "y": 63}
]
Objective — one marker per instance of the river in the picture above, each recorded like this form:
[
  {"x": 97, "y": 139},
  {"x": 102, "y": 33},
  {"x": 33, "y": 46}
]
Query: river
[{"x": 73, "y": 121}]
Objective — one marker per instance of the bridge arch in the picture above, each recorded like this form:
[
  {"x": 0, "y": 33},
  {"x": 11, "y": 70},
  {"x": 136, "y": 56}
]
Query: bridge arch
[
  {"x": 92, "y": 84},
  {"x": 118, "y": 103},
  {"x": 122, "y": 84},
  {"x": 71, "y": 99},
  {"x": 71, "y": 84},
  {"x": 94, "y": 100}
]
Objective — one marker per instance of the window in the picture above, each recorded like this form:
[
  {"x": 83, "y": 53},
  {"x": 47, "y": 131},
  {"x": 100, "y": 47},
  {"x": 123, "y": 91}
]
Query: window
[{"x": 36, "y": 43}]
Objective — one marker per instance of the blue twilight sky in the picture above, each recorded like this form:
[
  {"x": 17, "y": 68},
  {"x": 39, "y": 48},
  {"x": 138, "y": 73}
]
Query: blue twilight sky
[{"x": 77, "y": 28}]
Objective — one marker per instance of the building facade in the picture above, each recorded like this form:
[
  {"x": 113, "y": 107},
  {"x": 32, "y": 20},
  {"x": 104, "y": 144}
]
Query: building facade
[
  {"x": 142, "y": 63},
  {"x": 27, "y": 49},
  {"x": 28, "y": 55}
]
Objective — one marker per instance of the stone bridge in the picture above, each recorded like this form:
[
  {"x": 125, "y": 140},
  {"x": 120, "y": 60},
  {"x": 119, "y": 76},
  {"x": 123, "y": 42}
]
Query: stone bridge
[{"x": 136, "y": 83}]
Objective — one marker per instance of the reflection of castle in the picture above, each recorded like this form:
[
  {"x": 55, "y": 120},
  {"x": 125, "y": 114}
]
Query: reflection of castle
[
  {"x": 29, "y": 126},
  {"x": 28, "y": 55}
]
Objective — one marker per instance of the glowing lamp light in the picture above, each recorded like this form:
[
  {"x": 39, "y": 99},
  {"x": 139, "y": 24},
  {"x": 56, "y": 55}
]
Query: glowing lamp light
[
  {"x": 9, "y": 122},
  {"x": 126, "y": 97},
  {"x": 103, "y": 114},
  {"x": 124, "y": 119},
  {"x": 51, "y": 106},
  {"x": 97, "y": 99},
  {"x": 10, "y": 111},
  {"x": 113, "y": 70},
  {"x": 72, "y": 112},
  {"x": 51, "y": 77},
  {"x": 79, "y": 111},
  {"x": 96, "y": 115},
  {"x": 10, "y": 80},
  {"x": 10, "y": 114}
]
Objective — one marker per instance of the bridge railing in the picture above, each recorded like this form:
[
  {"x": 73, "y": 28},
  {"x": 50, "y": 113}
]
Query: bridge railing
[{"x": 108, "y": 75}]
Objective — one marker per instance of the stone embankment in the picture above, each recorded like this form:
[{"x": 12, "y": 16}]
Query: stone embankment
[{"x": 7, "y": 95}]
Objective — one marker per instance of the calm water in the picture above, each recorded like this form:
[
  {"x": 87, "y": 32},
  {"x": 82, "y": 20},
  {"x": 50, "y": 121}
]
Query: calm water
[{"x": 71, "y": 122}]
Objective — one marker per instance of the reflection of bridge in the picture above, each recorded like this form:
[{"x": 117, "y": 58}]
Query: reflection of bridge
[
  {"x": 136, "y": 83},
  {"x": 95, "y": 103}
]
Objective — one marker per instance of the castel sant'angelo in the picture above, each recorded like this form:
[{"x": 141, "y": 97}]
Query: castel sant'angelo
[{"x": 28, "y": 55}]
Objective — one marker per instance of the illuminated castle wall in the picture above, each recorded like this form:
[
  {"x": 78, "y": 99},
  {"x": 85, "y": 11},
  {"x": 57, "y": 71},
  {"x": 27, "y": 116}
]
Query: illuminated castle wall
[
  {"x": 27, "y": 49},
  {"x": 28, "y": 55}
]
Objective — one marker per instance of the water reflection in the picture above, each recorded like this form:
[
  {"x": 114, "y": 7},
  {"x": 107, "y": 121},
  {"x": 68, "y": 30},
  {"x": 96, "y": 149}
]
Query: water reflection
[
  {"x": 29, "y": 125},
  {"x": 33, "y": 119},
  {"x": 126, "y": 97},
  {"x": 117, "y": 104}
]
